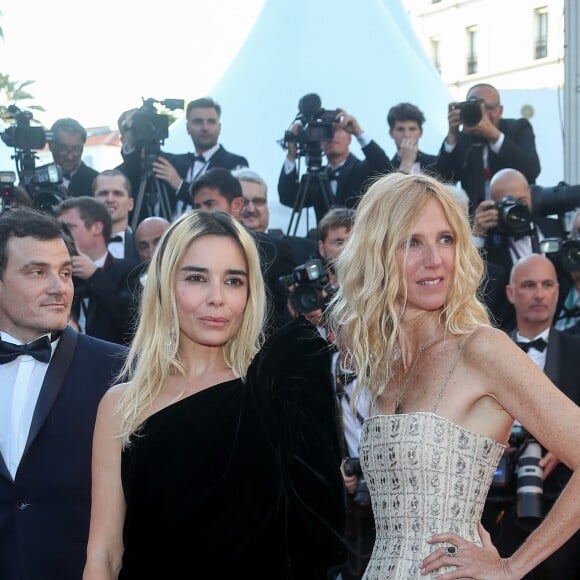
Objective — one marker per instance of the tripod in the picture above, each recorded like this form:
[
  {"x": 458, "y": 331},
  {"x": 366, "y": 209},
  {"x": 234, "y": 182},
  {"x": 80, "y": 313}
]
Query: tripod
[
  {"x": 153, "y": 192},
  {"x": 315, "y": 181}
]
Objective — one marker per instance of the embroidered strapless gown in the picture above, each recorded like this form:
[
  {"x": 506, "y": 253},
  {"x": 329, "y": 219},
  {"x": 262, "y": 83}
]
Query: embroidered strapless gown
[{"x": 425, "y": 475}]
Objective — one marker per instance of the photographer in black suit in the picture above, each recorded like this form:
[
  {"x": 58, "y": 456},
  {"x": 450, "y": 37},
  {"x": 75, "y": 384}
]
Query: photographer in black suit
[
  {"x": 500, "y": 237},
  {"x": 485, "y": 144},
  {"x": 66, "y": 145},
  {"x": 179, "y": 171},
  {"x": 533, "y": 290},
  {"x": 347, "y": 175}
]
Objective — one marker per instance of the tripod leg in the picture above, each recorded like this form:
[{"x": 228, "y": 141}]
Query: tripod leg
[
  {"x": 299, "y": 204},
  {"x": 138, "y": 203}
]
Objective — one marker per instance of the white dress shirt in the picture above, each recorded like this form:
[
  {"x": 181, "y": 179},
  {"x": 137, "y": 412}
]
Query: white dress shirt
[{"x": 20, "y": 383}]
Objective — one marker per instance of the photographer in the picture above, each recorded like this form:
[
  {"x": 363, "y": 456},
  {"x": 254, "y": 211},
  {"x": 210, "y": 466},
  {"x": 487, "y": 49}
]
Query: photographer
[
  {"x": 347, "y": 175},
  {"x": 509, "y": 231},
  {"x": 66, "y": 146},
  {"x": 485, "y": 144},
  {"x": 533, "y": 290},
  {"x": 178, "y": 171}
]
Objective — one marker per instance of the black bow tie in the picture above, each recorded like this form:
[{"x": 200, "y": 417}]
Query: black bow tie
[
  {"x": 195, "y": 158},
  {"x": 39, "y": 349},
  {"x": 539, "y": 344},
  {"x": 333, "y": 174},
  {"x": 117, "y": 238}
]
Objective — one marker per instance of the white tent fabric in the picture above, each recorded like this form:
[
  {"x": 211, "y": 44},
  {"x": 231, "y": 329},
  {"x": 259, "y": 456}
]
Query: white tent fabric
[{"x": 361, "y": 56}]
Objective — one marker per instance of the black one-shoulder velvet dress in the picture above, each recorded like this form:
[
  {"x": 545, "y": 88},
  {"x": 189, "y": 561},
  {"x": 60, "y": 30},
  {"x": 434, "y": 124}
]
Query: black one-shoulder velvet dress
[{"x": 241, "y": 480}]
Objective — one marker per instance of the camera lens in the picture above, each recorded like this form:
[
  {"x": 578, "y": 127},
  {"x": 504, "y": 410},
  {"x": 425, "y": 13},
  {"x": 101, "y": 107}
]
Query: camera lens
[
  {"x": 530, "y": 484},
  {"x": 306, "y": 298}
]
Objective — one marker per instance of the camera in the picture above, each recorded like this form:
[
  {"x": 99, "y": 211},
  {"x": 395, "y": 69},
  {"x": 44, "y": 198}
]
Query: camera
[
  {"x": 151, "y": 128},
  {"x": 21, "y": 135},
  {"x": 514, "y": 218},
  {"x": 361, "y": 497},
  {"x": 316, "y": 125},
  {"x": 519, "y": 477},
  {"x": 7, "y": 180},
  {"x": 558, "y": 199},
  {"x": 566, "y": 252},
  {"x": 41, "y": 183},
  {"x": 308, "y": 286},
  {"x": 469, "y": 111}
]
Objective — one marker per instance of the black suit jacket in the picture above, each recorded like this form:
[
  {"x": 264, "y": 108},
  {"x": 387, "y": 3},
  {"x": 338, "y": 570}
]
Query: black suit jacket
[
  {"x": 518, "y": 151},
  {"x": 112, "y": 292},
  {"x": 45, "y": 510},
  {"x": 354, "y": 177},
  {"x": 562, "y": 369},
  {"x": 131, "y": 167},
  {"x": 81, "y": 182}
]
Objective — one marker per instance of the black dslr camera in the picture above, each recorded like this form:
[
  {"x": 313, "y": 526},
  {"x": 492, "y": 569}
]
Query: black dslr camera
[
  {"x": 470, "y": 111},
  {"x": 316, "y": 125},
  {"x": 564, "y": 252},
  {"x": 361, "y": 496},
  {"x": 41, "y": 183},
  {"x": 515, "y": 218},
  {"x": 151, "y": 128},
  {"x": 308, "y": 287},
  {"x": 519, "y": 477}
]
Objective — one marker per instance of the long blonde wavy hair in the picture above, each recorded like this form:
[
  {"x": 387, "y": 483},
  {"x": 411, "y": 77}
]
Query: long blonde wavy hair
[
  {"x": 154, "y": 353},
  {"x": 365, "y": 314}
]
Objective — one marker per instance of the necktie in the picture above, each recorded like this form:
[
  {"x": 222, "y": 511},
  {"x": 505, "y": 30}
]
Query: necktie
[
  {"x": 39, "y": 349},
  {"x": 539, "y": 344},
  {"x": 117, "y": 238},
  {"x": 333, "y": 174}
]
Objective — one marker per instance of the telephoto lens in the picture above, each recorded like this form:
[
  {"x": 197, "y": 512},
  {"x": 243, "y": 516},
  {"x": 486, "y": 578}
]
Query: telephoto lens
[{"x": 530, "y": 486}]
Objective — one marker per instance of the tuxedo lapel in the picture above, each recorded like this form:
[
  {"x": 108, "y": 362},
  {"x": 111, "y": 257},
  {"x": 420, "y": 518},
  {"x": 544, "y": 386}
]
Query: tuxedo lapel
[
  {"x": 553, "y": 354},
  {"x": 57, "y": 370},
  {"x": 3, "y": 469}
]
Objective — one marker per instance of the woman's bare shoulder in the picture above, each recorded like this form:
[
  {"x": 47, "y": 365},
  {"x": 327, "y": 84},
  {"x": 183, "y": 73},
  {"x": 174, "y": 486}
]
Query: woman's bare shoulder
[{"x": 112, "y": 397}]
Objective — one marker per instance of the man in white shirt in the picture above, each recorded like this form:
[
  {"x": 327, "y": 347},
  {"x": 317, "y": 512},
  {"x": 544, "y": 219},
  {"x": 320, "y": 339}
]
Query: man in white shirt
[{"x": 52, "y": 380}]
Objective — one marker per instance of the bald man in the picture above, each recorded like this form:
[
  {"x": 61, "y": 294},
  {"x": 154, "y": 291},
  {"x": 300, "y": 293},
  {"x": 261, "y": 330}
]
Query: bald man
[
  {"x": 533, "y": 290},
  {"x": 147, "y": 236},
  {"x": 502, "y": 247}
]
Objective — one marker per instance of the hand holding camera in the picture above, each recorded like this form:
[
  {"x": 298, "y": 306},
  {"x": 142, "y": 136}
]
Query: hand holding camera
[{"x": 486, "y": 217}]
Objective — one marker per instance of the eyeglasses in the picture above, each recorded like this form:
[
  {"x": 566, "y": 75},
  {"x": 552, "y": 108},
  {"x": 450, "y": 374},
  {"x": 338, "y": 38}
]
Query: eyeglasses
[
  {"x": 65, "y": 150},
  {"x": 256, "y": 201}
]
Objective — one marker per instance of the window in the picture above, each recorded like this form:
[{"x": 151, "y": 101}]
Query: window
[
  {"x": 472, "y": 50},
  {"x": 541, "y": 32},
  {"x": 435, "y": 53}
]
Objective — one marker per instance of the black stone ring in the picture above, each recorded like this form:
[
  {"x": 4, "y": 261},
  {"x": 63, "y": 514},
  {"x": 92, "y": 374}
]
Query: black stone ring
[{"x": 452, "y": 551}]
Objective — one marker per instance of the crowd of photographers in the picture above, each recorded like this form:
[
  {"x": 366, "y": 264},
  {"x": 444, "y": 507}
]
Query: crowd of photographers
[{"x": 117, "y": 217}]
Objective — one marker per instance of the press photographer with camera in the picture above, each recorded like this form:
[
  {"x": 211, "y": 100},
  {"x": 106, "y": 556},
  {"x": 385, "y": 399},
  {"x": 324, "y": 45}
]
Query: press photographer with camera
[
  {"x": 480, "y": 142},
  {"x": 67, "y": 145},
  {"x": 507, "y": 228},
  {"x": 346, "y": 175},
  {"x": 178, "y": 171},
  {"x": 533, "y": 477}
]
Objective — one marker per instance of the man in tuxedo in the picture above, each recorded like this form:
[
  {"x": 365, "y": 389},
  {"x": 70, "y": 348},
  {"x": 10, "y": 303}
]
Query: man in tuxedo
[
  {"x": 105, "y": 287},
  {"x": 503, "y": 247},
  {"x": 66, "y": 146},
  {"x": 485, "y": 144},
  {"x": 347, "y": 176},
  {"x": 219, "y": 190},
  {"x": 114, "y": 189},
  {"x": 52, "y": 380},
  {"x": 533, "y": 290},
  {"x": 148, "y": 234},
  {"x": 178, "y": 171},
  {"x": 406, "y": 128}
]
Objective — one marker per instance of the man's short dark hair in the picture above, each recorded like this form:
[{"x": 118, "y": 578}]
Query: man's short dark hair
[
  {"x": 69, "y": 126},
  {"x": 112, "y": 173},
  {"x": 91, "y": 210},
  {"x": 220, "y": 179},
  {"x": 405, "y": 112},
  {"x": 338, "y": 217},
  {"x": 204, "y": 103},
  {"x": 26, "y": 222}
]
